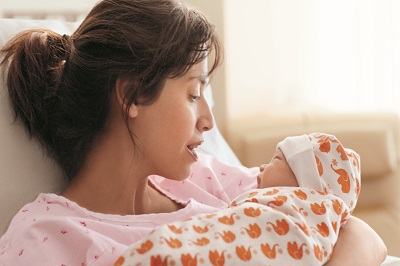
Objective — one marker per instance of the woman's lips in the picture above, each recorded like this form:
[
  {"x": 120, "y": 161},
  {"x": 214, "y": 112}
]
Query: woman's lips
[{"x": 192, "y": 151}]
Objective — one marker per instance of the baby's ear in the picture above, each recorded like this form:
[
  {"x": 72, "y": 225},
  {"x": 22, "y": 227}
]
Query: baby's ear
[{"x": 120, "y": 90}]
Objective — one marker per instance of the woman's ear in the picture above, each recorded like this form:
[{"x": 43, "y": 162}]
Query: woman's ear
[{"x": 120, "y": 90}]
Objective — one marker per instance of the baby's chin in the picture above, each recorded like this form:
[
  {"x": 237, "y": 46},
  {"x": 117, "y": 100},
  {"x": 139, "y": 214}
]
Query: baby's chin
[{"x": 259, "y": 180}]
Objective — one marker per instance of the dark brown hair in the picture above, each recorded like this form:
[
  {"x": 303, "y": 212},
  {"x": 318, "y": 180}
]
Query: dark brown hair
[{"x": 61, "y": 86}]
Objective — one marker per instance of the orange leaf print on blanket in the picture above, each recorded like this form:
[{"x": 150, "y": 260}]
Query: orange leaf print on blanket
[
  {"x": 281, "y": 227},
  {"x": 271, "y": 192},
  {"x": 322, "y": 229},
  {"x": 301, "y": 210},
  {"x": 174, "y": 229},
  {"x": 300, "y": 194},
  {"x": 215, "y": 258},
  {"x": 252, "y": 200},
  {"x": 173, "y": 242},
  {"x": 189, "y": 260},
  {"x": 146, "y": 246},
  {"x": 251, "y": 212},
  {"x": 252, "y": 194},
  {"x": 157, "y": 260},
  {"x": 228, "y": 220},
  {"x": 119, "y": 261},
  {"x": 334, "y": 226},
  {"x": 343, "y": 179},
  {"x": 254, "y": 231},
  {"x": 279, "y": 201},
  {"x": 200, "y": 230},
  {"x": 318, "y": 253},
  {"x": 227, "y": 236},
  {"x": 243, "y": 253},
  {"x": 295, "y": 251},
  {"x": 337, "y": 206},
  {"x": 201, "y": 241},
  {"x": 268, "y": 251},
  {"x": 318, "y": 209},
  {"x": 303, "y": 228}
]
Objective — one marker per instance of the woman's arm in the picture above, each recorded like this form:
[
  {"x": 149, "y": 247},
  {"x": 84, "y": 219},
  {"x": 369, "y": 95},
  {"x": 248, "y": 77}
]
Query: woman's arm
[{"x": 358, "y": 244}]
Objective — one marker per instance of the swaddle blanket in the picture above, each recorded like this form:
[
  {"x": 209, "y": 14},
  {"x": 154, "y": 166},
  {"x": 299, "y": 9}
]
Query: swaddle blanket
[{"x": 272, "y": 226}]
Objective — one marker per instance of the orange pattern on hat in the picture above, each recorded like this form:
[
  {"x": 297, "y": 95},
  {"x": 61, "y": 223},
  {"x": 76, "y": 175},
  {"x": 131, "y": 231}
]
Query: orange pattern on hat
[
  {"x": 324, "y": 143},
  {"x": 343, "y": 179}
]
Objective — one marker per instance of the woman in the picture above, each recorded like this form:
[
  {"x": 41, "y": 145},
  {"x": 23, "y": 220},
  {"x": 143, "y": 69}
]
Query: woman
[{"x": 118, "y": 101}]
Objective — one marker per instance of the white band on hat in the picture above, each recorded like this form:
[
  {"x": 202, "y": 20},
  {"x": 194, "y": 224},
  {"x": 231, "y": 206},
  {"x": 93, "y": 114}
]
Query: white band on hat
[{"x": 299, "y": 153}]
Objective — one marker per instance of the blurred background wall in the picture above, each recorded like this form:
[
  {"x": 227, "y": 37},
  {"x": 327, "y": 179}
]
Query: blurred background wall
[{"x": 289, "y": 55}]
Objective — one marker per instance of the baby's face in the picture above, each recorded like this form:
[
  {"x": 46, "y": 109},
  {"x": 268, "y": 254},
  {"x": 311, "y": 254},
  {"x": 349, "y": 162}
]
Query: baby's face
[{"x": 277, "y": 173}]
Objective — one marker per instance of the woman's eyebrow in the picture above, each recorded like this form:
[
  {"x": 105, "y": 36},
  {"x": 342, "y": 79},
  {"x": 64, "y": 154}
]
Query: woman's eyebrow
[{"x": 202, "y": 78}]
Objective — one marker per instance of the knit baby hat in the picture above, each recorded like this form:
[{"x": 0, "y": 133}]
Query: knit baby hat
[{"x": 320, "y": 162}]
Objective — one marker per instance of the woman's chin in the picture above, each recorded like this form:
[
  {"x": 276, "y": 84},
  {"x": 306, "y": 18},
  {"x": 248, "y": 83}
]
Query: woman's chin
[{"x": 180, "y": 175}]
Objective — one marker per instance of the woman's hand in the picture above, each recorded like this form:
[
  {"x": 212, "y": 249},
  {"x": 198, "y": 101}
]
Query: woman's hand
[{"x": 358, "y": 244}]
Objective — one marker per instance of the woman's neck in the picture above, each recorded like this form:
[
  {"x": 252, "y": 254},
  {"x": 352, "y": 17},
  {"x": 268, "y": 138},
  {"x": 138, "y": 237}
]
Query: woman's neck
[{"x": 113, "y": 180}]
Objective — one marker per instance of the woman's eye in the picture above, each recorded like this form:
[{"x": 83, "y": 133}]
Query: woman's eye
[{"x": 194, "y": 97}]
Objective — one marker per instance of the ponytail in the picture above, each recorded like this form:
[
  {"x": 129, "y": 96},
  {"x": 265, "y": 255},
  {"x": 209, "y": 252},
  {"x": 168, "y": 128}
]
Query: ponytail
[{"x": 35, "y": 60}]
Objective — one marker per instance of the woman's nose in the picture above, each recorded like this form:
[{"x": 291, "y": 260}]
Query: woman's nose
[{"x": 206, "y": 118}]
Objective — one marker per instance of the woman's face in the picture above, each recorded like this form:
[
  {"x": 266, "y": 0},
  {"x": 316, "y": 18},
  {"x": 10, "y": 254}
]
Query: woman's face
[{"x": 172, "y": 127}]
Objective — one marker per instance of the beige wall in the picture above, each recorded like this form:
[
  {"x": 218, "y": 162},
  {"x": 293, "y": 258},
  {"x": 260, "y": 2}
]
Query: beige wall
[{"x": 264, "y": 55}]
